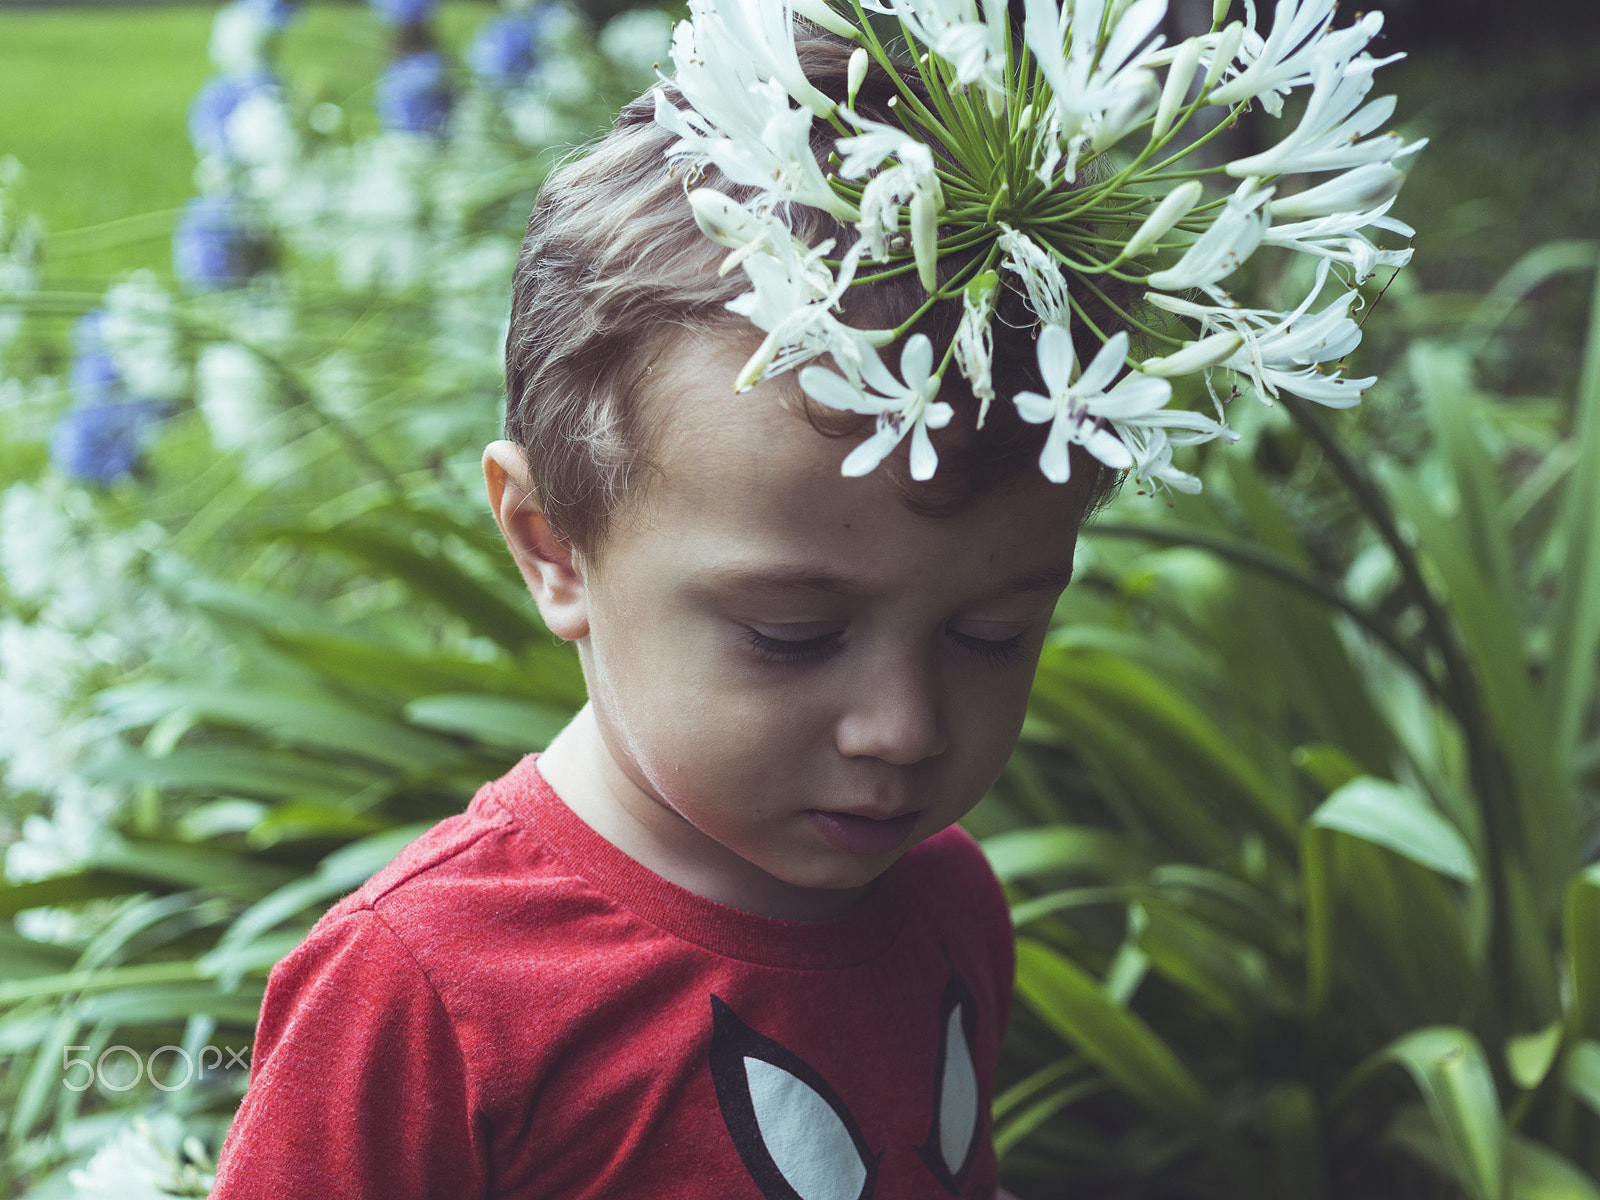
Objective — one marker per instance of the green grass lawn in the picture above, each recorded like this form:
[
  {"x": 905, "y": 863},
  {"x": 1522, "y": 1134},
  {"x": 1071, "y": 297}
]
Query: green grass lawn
[{"x": 94, "y": 101}]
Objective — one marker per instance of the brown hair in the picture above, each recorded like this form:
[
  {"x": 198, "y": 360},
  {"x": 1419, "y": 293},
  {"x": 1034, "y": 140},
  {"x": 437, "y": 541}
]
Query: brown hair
[{"x": 614, "y": 264}]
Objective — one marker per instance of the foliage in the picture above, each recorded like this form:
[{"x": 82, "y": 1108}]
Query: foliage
[
  {"x": 255, "y": 632},
  {"x": 1303, "y": 910},
  {"x": 1296, "y": 837}
]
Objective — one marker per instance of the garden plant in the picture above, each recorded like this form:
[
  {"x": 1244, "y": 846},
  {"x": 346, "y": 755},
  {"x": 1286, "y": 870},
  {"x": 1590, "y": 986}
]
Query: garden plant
[{"x": 1298, "y": 840}]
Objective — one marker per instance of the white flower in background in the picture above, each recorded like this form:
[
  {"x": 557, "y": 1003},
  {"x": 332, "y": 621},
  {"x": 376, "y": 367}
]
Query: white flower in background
[
  {"x": 902, "y": 406},
  {"x": 140, "y": 330},
  {"x": 637, "y": 40},
  {"x": 235, "y": 394},
  {"x": 1100, "y": 88},
  {"x": 240, "y": 37},
  {"x": 148, "y": 1159}
]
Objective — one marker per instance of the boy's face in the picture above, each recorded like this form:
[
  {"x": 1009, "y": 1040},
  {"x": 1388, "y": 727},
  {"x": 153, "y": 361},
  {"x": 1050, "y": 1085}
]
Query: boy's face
[{"x": 793, "y": 678}]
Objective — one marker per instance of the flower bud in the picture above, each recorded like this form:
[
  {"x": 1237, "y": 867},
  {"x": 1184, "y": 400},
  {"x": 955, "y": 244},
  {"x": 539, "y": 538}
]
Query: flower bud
[
  {"x": 1176, "y": 90},
  {"x": 1358, "y": 190},
  {"x": 855, "y": 74},
  {"x": 1195, "y": 356},
  {"x": 820, "y": 12},
  {"x": 1219, "y": 9},
  {"x": 1167, "y": 214},
  {"x": 723, "y": 220},
  {"x": 1228, "y": 43},
  {"x": 925, "y": 239}
]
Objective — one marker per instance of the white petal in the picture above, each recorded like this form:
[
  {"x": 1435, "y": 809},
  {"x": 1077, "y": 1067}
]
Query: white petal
[
  {"x": 1105, "y": 366},
  {"x": 923, "y": 459},
  {"x": 865, "y": 458},
  {"x": 1054, "y": 459},
  {"x": 1195, "y": 356},
  {"x": 1057, "y": 358},
  {"x": 1034, "y": 408},
  {"x": 825, "y": 387}
]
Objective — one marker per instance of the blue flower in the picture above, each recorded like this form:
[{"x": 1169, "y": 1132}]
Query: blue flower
[
  {"x": 507, "y": 48},
  {"x": 214, "y": 104},
  {"x": 212, "y": 246},
  {"x": 101, "y": 443},
  {"x": 403, "y": 12},
  {"x": 274, "y": 14},
  {"x": 95, "y": 379},
  {"x": 413, "y": 94}
]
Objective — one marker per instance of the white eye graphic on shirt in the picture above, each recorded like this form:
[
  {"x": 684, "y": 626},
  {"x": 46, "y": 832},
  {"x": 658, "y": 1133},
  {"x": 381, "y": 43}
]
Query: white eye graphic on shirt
[
  {"x": 953, "y": 1137},
  {"x": 794, "y": 1134}
]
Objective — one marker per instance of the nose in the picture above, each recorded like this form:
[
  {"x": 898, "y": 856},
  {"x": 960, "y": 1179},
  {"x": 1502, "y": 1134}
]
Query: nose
[{"x": 895, "y": 714}]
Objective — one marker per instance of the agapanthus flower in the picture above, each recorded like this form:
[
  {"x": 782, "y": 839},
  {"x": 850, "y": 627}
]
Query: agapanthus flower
[
  {"x": 403, "y": 12},
  {"x": 214, "y": 246},
  {"x": 1056, "y": 167},
  {"x": 506, "y": 50},
  {"x": 902, "y": 406},
  {"x": 216, "y": 102},
  {"x": 102, "y": 443},
  {"x": 413, "y": 94}
]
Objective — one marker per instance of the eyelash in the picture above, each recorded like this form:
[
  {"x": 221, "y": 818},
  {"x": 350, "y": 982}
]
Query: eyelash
[{"x": 810, "y": 651}]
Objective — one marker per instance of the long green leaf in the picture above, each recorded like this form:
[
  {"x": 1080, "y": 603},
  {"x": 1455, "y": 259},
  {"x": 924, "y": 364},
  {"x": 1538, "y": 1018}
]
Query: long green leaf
[
  {"x": 1398, "y": 818},
  {"x": 1581, "y": 937},
  {"x": 1130, "y": 1053},
  {"x": 1450, "y": 1070},
  {"x": 1575, "y": 619}
]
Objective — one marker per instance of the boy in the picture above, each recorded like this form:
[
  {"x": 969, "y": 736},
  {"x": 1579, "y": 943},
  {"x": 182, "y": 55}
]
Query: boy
[{"x": 722, "y": 939}]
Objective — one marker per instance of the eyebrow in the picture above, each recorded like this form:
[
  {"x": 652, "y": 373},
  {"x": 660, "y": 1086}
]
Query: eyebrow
[{"x": 801, "y": 579}]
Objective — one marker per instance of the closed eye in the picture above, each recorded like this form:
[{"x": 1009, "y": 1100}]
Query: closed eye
[
  {"x": 1001, "y": 653},
  {"x": 796, "y": 652}
]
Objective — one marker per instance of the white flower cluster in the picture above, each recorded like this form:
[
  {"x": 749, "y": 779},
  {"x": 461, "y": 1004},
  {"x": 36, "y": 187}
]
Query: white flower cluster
[{"x": 1052, "y": 164}]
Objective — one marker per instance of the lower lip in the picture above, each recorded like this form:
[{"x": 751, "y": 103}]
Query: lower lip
[{"x": 861, "y": 835}]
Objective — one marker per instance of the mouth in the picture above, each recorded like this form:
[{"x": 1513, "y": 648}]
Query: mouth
[{"x": 856, "y": 834}]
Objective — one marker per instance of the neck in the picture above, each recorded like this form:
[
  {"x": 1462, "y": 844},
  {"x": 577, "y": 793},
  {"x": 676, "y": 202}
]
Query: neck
[{"x": 587, "y": 773}]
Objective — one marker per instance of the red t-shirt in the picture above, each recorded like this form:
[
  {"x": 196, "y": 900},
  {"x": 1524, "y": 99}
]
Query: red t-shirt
[{"x": 516, "y": 1008}]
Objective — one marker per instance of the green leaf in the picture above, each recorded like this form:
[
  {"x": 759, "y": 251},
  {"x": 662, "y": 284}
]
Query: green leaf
[
  {"x": 238, "y": 771},
  {"x": 1400, "y": 820},
  {"x": 1581, "y": 937},
  {"x": 1575, "y": 621},
  {"x": 1190, "y": 777},
  {"x": 1450, "y": 1070},
  {"x": 342, "y": 871},
  {"x": 1025, "y": 852},
  {"x": 1539, "y": 1173},
  {"x": 67, "y": 889},
  {"x": 1130, "y": 1053},
  {"x": 300, "y": 716},
  {"x": 484, "y": 608},
  {"x": 1581, "y": 1073},
  {"x": 1529, "y": 1056},
  {"x": 518, "y": 725}
]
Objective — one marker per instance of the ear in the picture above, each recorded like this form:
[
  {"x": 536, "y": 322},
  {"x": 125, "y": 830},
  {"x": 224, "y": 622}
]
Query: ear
[{"x": 553, "y": 573}]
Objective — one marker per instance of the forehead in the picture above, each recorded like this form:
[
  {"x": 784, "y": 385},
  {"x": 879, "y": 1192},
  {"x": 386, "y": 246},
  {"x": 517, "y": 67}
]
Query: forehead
[{"x": 744, "y": 484}]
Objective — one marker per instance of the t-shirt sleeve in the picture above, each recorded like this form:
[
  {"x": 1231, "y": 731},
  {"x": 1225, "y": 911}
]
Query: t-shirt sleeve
[{"x": 358, "y": 1088}]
